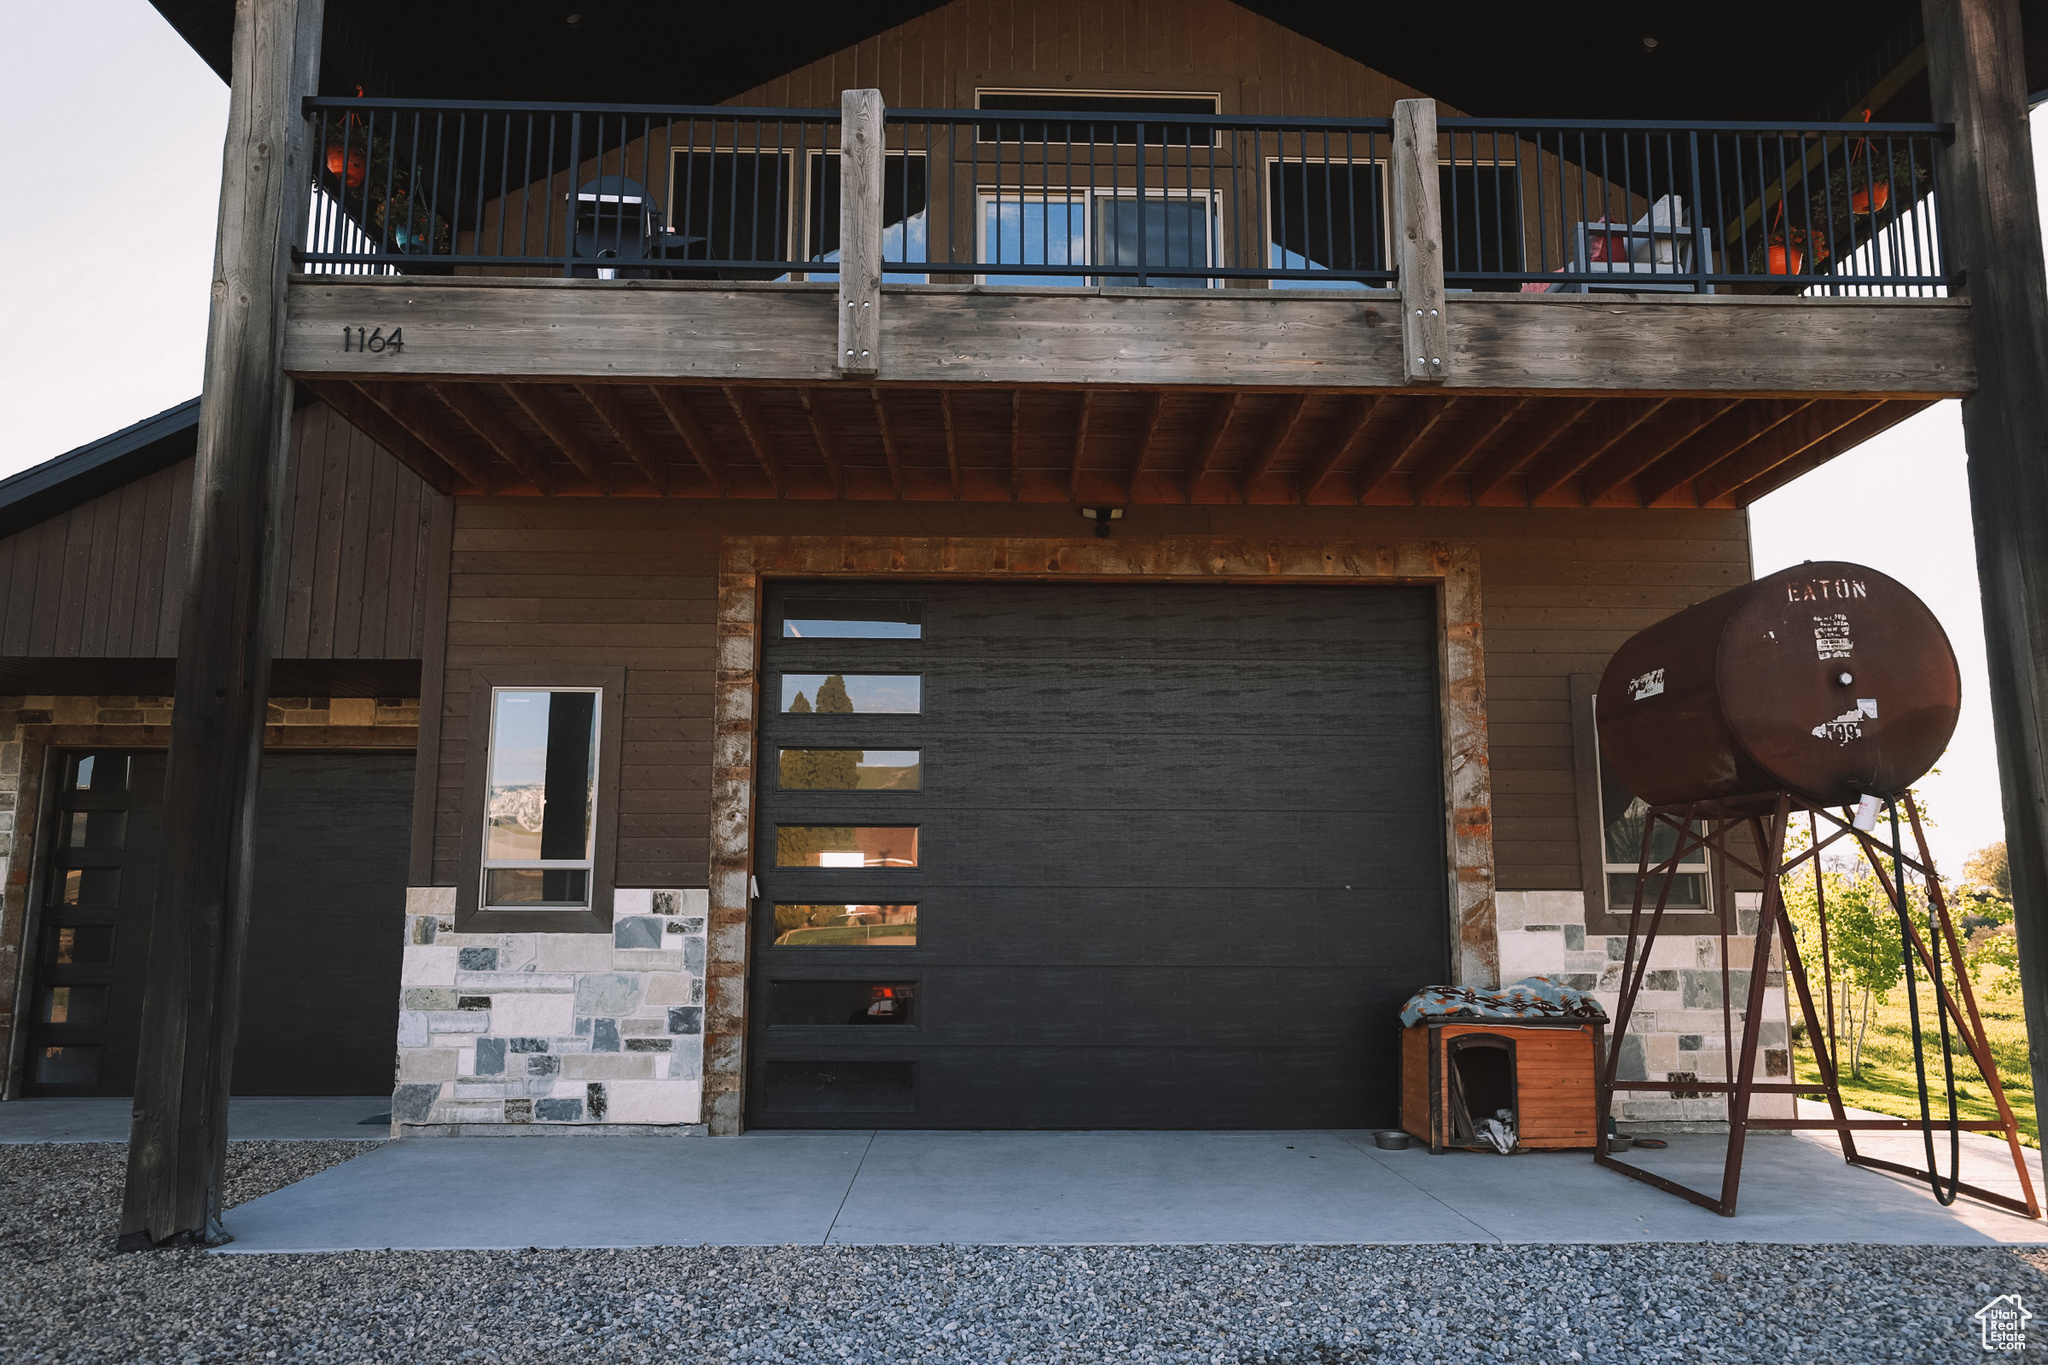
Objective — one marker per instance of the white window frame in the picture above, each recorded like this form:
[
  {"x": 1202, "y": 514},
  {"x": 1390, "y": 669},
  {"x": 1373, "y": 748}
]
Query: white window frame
[
  {"x": 1703, "y": 868},
  {"x": 811, "y": 194},
  {"x": 987, "y": 115},
  {"x": 588, "y": 863},
  {"x": 1091, "y": 272}
]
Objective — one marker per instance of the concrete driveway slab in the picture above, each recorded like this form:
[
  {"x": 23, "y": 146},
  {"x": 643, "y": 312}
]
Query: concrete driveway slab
[
  {"x": 1022, "y": 1189},
  {"x": 1052, "y": 1188},
  {"x": 314, "y": 1118},
  {"x": 508, "y": 1193}
]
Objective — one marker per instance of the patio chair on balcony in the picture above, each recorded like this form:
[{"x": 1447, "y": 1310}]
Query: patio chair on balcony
[
  {"x": 1652, "y": 254},
  {"x": 619, "y": 231}
]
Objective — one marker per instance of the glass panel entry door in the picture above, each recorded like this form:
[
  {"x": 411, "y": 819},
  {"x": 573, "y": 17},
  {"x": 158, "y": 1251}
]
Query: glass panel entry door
[{"x": 96, "y": 898}]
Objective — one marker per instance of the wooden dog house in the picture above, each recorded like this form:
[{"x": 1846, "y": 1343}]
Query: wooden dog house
[{"x": 1456, "y": 1071}]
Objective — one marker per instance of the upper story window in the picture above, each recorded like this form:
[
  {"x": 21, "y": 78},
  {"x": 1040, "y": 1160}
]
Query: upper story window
[{"x": 1122, "y": 113}]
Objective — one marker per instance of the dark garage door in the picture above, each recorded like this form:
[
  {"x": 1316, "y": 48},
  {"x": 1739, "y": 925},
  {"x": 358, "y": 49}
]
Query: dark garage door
[
  {"x": 1050, "y": 856},
  {"x": 326, "y": 929}
]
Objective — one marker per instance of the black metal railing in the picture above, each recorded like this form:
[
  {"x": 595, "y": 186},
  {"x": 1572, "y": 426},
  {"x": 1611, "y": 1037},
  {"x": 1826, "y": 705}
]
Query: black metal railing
[
  {"x": 1829, "y": 208},
  {"x": 598, "y": 191},
  {"x": 1060, "y": 197},
  {"x": 1124, "y": 198}
]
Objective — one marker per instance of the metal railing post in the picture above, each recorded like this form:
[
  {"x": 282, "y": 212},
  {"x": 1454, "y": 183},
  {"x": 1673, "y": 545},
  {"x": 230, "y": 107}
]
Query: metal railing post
[
  {"x": 569, "y": 217},
  {"x": 1701, "y": 265},
  {"x": 860, "y": 232}
]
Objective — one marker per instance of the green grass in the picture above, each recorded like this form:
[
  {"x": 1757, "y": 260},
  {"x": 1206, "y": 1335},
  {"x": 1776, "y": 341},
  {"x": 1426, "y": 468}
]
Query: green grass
[{"x": 1888, "y": 1085}]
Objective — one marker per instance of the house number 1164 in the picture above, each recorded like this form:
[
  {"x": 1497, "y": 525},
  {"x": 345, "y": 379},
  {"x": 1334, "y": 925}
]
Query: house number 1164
[{"x": 375, "y": 342}]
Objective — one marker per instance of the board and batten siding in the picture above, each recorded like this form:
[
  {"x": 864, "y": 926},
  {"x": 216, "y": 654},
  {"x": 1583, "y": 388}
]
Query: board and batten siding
[
  {"x": 360, "y": 532},
  {"x": 1196, "y": 46},
  {"x": 634, "y": 583}
]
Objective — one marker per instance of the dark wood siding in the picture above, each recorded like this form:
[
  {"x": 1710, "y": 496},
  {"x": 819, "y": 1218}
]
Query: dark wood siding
[
  {"x": 1211, "y": 46},
  {"x": 634, "y": 583},
  {"x": 103, "y": 580}
]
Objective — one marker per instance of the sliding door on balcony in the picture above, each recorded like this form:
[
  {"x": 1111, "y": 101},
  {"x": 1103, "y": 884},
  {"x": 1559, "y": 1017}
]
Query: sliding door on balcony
[{"x": 1125, "y": 240}]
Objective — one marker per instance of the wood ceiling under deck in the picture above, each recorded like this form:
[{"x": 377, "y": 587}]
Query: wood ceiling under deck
[{"x": 1102, "y": 446}]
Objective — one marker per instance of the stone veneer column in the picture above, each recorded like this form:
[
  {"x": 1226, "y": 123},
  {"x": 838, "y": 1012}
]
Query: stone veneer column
[{"x": 512, "y": 1034}]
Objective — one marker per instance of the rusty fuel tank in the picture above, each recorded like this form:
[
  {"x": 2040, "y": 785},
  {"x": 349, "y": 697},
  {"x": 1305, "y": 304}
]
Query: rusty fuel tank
[{"x": 1828, "y": 680}]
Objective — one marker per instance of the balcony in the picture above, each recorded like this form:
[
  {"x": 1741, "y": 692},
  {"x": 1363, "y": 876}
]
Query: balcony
[{"x": 1097, "y": 304}]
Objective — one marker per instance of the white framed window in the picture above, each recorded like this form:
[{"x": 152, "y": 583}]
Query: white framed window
[
  {"x": 1109, "y": 117},
  {"x": 906, "y": 211},
  {"x": 1621, "y": 840},
  {"x": 541, "y": 798},
  {"x": 1103, "y": 235},
  {"x": 1611, "y": 832}
]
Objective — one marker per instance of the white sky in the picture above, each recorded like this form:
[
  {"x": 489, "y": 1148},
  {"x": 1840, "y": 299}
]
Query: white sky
[{"x": 98, "y": 340}]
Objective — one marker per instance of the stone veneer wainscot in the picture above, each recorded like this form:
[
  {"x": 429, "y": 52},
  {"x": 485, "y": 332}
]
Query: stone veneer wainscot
[
  {"x": 512, "y": 1034},
  {"x": 1675, "y": 1033}
]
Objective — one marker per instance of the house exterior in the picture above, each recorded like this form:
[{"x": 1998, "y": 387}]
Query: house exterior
[{"x": 1044, "y": 568}]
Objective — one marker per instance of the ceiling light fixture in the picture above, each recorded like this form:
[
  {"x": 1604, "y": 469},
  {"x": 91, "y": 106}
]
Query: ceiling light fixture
[{"x": 1102, "y": 517}]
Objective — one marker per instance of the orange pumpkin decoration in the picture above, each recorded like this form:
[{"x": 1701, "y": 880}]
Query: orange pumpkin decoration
[
  {"x": 1785, "y": 260},
  {"x": 350, "y": 165}
]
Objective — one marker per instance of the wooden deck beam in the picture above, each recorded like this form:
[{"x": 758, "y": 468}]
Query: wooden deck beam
[
  {"x": 1284, "y": 423},
  {"x": 1811, "y": 427},
  {"x": 1489, "y": 425},
  {"x": 757, "y": 437},
  {"x": 676, "y": 407},
  {"x": 1651, "y": 443},
  {"x": 611, "y": 409},
  {"x": 356, "y": 408},
  {"x": 492, "y": 428},
  {"x": 547, "y": 414},
  {"x": 1713, "y": 443},
  {"x": 406, "y": 405},
  {"x": 1530, "y": 446},
  {"x": 895, "y": 457},
  {"x": 1148, "y": 433},
  {"x": 1080, "y": 445},
  {"x": 828, "y": 448},
  {"x": 1610, "y": 425},
  {"x": 1410, "y": 430},
  {"x": 1212, "y": 436},
  {"x": 1357, "y": 417},
  {"x": 953, "y": 442},
  {"x": 725, "y": 333}
]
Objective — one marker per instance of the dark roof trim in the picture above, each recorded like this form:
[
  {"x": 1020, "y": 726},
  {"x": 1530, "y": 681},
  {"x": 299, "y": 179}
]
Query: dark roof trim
[{"x": 78, "y": 476}]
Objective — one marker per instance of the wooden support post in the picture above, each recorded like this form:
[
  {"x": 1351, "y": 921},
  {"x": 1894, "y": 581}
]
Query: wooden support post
[
  {"x": 860, "y": 232},
  {"x": 1991, "y": 224},
  {"x": 1419, "y": 241},
  {"x": 191, "y": 1000}
]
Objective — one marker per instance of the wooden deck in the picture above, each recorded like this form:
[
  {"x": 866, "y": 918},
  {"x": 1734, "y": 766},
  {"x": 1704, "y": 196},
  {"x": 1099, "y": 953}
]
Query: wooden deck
[{"x": 584, "y": 388}]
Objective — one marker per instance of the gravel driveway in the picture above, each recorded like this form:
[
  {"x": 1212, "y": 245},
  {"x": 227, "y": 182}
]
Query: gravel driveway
[{"x": 66, "y": 1296}]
